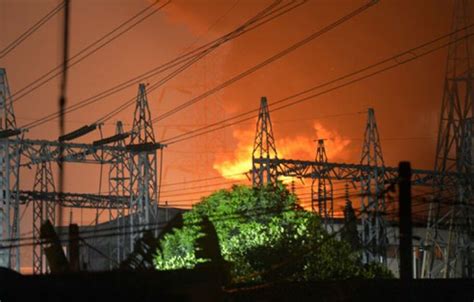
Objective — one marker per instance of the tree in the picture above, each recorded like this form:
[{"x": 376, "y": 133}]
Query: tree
[{"x": 264, "y": 236}]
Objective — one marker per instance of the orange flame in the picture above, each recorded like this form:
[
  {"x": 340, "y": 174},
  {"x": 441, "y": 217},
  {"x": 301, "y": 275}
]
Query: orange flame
[
  {"x": 296, "y": 147},
  {"x": 240, "y": 161}
]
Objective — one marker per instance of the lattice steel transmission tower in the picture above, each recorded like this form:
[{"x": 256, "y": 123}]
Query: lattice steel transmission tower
[
  {"x": 374, "y": 233},
  {"x": 9, "y": 172},
  {"x": 119, "y": 184},
  {"x": 143, "y": 169},
  {"x": 210, "y": 111},
  {"x": 42, "y": 210},
  {"x": 264, "y": 149},
  {"x": 322, "y": 189},
  {"x": 451, "y": 255}
]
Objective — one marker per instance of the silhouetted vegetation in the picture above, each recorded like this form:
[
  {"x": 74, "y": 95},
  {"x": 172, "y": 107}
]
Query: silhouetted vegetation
[{"x": 264, "y": 236}]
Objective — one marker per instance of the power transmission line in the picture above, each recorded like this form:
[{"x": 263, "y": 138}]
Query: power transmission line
[
  {"x": 341, "y": 196},
  {"x": 159, "y": 225},
  {"x": 88, "y": 50},
  {"x": 30, "y": 31},
  {"x": 222, "y": 124},
  {"x": 205, "y": 179},
  {"x": 269, "y": 60},
  {"x": 232, "y": 182},
  {"x": 182, "y": 59},
  {"x": 198, "y": 56}
]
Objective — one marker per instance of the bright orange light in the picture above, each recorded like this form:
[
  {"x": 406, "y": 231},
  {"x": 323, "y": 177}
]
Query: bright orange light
[
  {"x": 240, "y": 160},
  {"x": 290, "y": 147}
]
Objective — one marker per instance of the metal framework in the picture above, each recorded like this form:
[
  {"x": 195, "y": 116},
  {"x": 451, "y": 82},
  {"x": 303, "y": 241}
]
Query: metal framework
[
  {"x": 9, "y": 174},
  {"x": 371, "y": 174},
  {"x": 452, "y": 256},
  {"x": 143, "y": 169},
  {"x": 264, "y": 149},
  {"x": 119, "y": 187},
  {"x": 38, "y": 151},
  {"x": 133, "y": 174},
  {"x": 43, "y": 196},
  {"x": 42, "y": 210},
  {"x": 322, "y": 190},
  {"x": 76, "y": 200},
  {"x": 211, "y": 111},
  {"x": 374, "y": 230},
  {"x": 132, "y": 178},
  {"x": 353, "y": 172}
]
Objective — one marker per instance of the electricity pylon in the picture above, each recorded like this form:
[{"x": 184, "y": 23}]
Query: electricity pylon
[
  {"x": 9, "y": 171},
  {"x": 264, "y": 149},
  {"x": 451, "y": 255},
  {"x": 374, "y": 233},
  {"x": 42, "y": 210},
  {"x": 138, "y": 159},
  {"x": 143, "y": 169},
  {"x": 119, "y": 187},
  {"x": 322, "y": 189}
]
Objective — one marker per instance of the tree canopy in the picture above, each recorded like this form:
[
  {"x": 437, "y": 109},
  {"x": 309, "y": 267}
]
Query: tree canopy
[{"x": 265, "y": 236}]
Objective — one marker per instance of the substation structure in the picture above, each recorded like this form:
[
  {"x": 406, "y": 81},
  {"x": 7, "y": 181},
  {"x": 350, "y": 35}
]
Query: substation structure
[
  {"x": 371, "y": 176},
  {"x": 132, "y": 179},
  {"x": 447, "y": 245}
]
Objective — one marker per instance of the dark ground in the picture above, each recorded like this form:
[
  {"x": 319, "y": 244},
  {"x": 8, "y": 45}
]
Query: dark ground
[{"x": 206, "y": 284}]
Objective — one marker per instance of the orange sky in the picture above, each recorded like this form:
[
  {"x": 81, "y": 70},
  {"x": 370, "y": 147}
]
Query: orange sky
[{"x": 406, "y": 99}]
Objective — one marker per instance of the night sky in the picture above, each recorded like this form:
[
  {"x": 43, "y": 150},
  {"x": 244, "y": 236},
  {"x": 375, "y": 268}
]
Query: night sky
[{"x": 406, "y": 100}]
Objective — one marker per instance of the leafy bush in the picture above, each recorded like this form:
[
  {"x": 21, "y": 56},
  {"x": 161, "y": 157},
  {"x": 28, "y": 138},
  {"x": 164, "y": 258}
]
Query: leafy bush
[{"x": 265, "y": 236}]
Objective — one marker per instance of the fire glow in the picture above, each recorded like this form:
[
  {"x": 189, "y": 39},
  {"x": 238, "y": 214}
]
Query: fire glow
[{"x": 290, "y": 147}]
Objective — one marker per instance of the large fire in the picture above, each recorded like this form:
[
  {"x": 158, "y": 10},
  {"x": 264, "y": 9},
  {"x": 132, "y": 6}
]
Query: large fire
[{"x": 290, "y": 147}]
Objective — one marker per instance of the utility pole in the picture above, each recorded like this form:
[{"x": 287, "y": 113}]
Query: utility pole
[
  {"x": 264, "y": 149},
  {"x": 73, "y": 248},
  {"x": 374, "y": 233},
  {"x": 404, "y": 207},
  {"x": 450, "y": 211}
]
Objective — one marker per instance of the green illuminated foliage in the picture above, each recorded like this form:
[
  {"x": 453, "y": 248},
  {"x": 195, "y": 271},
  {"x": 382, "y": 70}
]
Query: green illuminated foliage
[{"x": 264, "y": 236}]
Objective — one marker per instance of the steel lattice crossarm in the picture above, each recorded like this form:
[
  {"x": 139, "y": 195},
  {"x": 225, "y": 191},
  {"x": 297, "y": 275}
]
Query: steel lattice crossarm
[
  {"x": 77, "y": 200},
  {"x": 72, "y": 152},
  {"x": 352, "y": 172}
]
